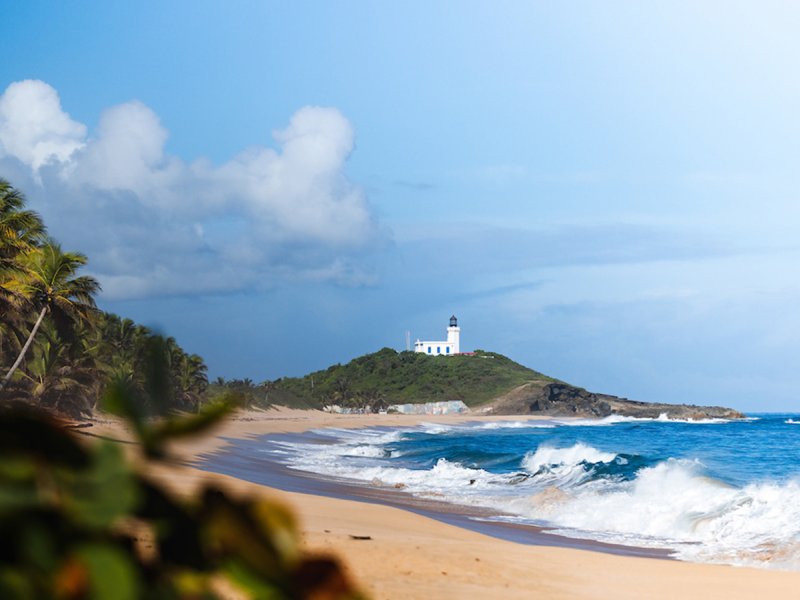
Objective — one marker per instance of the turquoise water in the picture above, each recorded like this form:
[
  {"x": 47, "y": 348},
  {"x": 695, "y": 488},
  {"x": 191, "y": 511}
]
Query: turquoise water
[{"x": 708, "y": 491}]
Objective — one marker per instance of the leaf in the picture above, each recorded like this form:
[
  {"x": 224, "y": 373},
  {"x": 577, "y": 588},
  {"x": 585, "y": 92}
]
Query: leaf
[
  {"x": 71, "y": 580},
  {"x": 209, "y": 415},
  {"x": 190, "y": 584},
  {"x": 276, "y": 523},
  {"x": 18, "y": 489},
  {"x": 14, "y": 584},
  {"x": 120, "y": 400},
  {"x": 231, "y": 529},
  {"x": 254, "y": 583},
  {"x": 322, "y": 577},
  {"x": 37, "y": 546},
  {"x": 15, "y": 497},
  {"x": 112, "y": 575},
  {"x": 104, "y": 493}
]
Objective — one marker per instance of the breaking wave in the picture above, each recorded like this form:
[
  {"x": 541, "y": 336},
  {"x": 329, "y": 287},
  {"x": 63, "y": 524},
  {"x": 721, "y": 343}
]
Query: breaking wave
[{"x": 578, "y": 489}]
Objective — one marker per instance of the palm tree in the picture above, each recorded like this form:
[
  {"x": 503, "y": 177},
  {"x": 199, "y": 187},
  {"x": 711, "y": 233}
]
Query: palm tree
[
  {"x": 49, "y": 283},
  {"x": 20, "y": 231},
  {"x": 61, "y": 376},
  {"x": 192, "y": 379}
]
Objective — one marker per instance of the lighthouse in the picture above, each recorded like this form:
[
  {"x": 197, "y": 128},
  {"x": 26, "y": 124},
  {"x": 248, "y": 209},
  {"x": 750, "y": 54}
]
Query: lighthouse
[
  {"x": 449, "y": 348},
  {"x": 453, "y": 335}
]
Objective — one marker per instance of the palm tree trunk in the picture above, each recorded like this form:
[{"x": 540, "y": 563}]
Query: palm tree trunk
[{"x": 22, "y": 352}]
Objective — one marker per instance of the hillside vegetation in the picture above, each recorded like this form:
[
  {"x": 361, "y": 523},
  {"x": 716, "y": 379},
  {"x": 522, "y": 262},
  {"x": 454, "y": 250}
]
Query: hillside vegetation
[{"x": 390, "y": 377}]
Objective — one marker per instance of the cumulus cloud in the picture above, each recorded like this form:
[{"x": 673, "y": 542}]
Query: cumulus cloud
[
  {"x": 154, "y": 224},
  {"x": 127, "y": 154},
  {"x": 33, "y": 128}
]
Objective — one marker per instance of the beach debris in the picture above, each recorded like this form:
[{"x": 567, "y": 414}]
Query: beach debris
[{"x": 360, "y": 537}]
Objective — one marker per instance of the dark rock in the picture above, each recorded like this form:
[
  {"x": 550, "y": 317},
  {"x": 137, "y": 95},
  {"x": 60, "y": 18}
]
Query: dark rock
[{"x": 563, "y": 400}]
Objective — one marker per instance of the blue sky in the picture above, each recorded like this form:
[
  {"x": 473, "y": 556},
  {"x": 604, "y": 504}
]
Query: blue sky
[{"x": 604, "y": 191}]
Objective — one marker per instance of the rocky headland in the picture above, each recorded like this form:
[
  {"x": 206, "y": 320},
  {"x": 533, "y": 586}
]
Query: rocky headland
[{"x": 564, "y": 400}]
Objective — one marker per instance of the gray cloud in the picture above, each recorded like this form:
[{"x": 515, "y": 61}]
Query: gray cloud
[{"x": 471, "y": 249}]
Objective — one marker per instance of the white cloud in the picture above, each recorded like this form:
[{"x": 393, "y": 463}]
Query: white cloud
[
  {"x": 33, "y": 128},
  {"x": 302, "y": 189},
  {"x": 128, "y": 152},
  {"x": 154, "y": 224}
]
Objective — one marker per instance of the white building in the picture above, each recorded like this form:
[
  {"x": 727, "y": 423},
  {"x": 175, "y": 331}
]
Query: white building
[{"x": 448, "y": 348}]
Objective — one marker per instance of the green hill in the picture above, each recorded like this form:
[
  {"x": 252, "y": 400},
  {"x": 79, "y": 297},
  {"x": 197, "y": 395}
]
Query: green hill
[
  {"x": 390, "y": 377},
  {"x": 483, "y": 379}
]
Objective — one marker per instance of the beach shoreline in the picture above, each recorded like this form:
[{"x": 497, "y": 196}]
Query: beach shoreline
[
  {"x": 411, "y": 555},
  {"x": 243, "y": 460}
]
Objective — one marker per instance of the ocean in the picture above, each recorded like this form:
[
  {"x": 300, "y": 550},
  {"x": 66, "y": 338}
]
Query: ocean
[{"x": 712, "y": 491}]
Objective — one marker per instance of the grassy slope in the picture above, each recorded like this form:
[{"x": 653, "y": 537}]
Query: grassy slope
[{"x": 402, "y": 377}]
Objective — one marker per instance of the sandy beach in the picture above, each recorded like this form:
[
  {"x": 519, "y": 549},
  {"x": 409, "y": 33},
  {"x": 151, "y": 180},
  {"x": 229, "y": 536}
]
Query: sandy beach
[{"x": 411, "y": 556}]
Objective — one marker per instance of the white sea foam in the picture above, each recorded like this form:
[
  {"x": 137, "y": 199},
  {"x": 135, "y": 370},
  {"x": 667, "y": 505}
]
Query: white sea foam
[
  {"x": 367, "y": 451},
  {"x": 603, "y": 422},
  {"x": 437, "y": 428},
  {"x": 491, "y": 425},
  {"x": 791, "y": 422},
  {"x": 372, "y": 436},
  {"x": 673, "y": 504},
  {"x": 348, "y": 444},
  {"x": 573, "y": 456},
  {"x": 615, "y": 419},
  {"x": 665, "y": 418},
  {"x": 585, "y": 422}
]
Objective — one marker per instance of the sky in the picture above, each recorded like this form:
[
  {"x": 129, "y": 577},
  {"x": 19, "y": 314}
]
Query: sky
[{"x": 603, "y": 191}]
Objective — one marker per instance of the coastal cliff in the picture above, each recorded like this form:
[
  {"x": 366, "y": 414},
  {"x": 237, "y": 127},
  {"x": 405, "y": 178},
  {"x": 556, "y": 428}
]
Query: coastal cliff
[{"x": 487, "y": 382}]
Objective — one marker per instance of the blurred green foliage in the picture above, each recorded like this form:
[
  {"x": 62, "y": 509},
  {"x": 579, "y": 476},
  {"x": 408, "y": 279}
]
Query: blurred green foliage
[{"x": 80, "y": 519}]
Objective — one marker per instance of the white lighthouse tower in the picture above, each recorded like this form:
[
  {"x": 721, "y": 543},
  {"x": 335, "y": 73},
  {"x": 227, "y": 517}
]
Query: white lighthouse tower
[
  {"x": 449, "y": 348},
  {"x": 453, "y": 335}
]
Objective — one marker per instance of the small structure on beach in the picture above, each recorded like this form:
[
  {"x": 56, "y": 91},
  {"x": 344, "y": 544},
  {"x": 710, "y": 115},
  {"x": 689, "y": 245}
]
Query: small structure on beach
[
  {"x": 447, "y": 407},
  {"x": 448, "y": 348}
]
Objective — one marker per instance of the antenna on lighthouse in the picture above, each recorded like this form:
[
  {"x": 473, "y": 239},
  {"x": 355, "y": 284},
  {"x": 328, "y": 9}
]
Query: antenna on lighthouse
[{"x": 408, "y": 341}]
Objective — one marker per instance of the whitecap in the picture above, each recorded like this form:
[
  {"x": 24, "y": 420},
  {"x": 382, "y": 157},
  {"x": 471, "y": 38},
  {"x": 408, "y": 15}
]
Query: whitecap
[
  {"x": 573, "y": 455},
  {"x": 492, "y": 425},
  {"x": 600, "y": 422}
]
